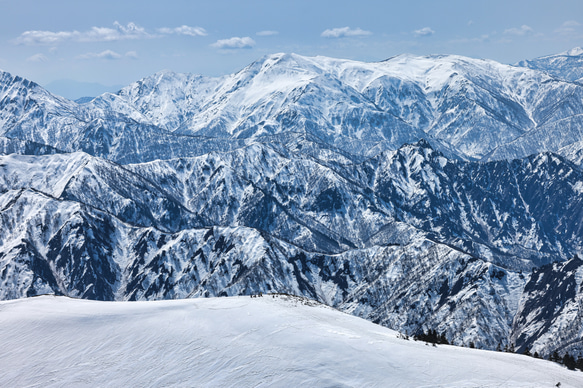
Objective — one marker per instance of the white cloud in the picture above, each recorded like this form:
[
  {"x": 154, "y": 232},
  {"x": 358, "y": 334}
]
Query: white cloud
[
  {"x": 344, "y": 32},
  {"x": 46, "y": 37},
  {"x": 481, "y": 39},
  {"x": 568, "y": 27},
  {"x": 102, "y": 34},
  {"x": 184, "y": 30},
  {"x": 95, "y": 34},
  {"x": 107, "y": 54},
  {"x": 234, "y": 43},
  {"x": 267, "y": 33},
  {"x": 132, "y": 55},
  {"x": 37, "y": 58},
  {"x": 520, "y": 31},
  {"x": 425, "y": 31}
]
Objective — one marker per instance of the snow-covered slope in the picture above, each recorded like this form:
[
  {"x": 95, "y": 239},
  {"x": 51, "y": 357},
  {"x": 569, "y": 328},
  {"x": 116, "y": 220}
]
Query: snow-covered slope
[
  {"x": 473, "y": 106},
  {"x": 567, "y": 65},
  {"x": 237, "y": 342},
  {"x": 35, "y": 121}
]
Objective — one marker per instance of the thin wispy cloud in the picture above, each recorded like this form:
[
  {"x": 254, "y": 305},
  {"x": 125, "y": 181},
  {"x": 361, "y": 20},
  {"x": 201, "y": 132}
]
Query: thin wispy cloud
[
  {"x": 46, "y": 37},
  {"x": 37, "y": 58},
  {"x": 344, "y": 32},
  {"x": 480, "y": 39},
  {"x": 519, "y": 31},
  {"x": 234, "y": 43},
  {"x": 184, "y": 30},
  {"x": 267, "y": 33},
  {"x": 425, "y": 31},
  {"x": 568, "y": 28},
  {"x": 95, "y": 34},
  {"x": 109, "y": 55},
  {"x": 103, "y": 34}
]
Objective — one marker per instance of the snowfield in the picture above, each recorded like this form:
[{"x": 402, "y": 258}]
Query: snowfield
[{"x": 236, "y": 342}]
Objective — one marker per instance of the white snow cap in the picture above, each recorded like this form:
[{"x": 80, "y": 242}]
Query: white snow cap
[{"x": 575, "y": 52}]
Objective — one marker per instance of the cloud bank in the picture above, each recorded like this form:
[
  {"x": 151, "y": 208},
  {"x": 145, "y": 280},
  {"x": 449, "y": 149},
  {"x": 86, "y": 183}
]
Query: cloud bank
[
  {"x": 102, "y": 34},
  {"x": 95, "y": 34},
  {"x": 568, "y": 28},
  {"x": 37, "y": 58}
]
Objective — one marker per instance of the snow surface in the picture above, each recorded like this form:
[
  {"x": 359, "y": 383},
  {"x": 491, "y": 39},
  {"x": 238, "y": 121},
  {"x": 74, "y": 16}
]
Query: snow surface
[{"x": 241, "y": 341}]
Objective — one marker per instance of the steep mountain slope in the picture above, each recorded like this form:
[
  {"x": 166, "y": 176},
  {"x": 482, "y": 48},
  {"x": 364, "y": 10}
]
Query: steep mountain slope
[
  {"x": 96, "y": 183},
  {"x": 368, "y": 238},
  {"x": 462, "y": 104},
  {"x": 468, "y": 108},
  {"x": 528, "y": 209},
  {"x": 553, "y": 318},
  {"x": 566, "y": 65},
  {"x": 33, "y": 120},
  {"x": 475, "y": 106}
]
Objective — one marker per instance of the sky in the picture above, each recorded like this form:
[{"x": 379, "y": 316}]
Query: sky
[{"x": 78, "y": 48}]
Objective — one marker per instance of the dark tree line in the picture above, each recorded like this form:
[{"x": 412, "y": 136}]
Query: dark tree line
[
  {"x": 568, "y": 360},
  {"x": 431, "y": 337}
]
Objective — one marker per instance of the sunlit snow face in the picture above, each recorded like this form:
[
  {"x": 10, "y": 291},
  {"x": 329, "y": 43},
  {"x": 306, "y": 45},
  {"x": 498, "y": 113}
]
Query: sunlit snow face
[{"x": 260, "y": 337}]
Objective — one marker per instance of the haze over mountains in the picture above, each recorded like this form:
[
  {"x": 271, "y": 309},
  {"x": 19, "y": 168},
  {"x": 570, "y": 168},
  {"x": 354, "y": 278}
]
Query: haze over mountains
[{"x": 436, "y": 192}]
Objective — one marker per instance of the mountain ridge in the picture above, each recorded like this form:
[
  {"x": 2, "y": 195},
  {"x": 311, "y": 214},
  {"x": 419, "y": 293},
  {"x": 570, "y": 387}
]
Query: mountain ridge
[
  {"x": 469, "y": 108},
  {"x": 418, "y": 192}
]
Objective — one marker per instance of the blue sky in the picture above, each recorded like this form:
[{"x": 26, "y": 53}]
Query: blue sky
[{"x": 114, "y": 43}]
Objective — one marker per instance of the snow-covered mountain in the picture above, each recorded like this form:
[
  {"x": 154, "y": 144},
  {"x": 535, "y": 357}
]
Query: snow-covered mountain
[
  {"x": 477, "y": 109},
  {"x": 36, "y": 121},
  {"x": 567, "y": 65},
  {"x": 468, "y": 108},
  {"x": 409, "y": 239},
  {"x": 228, "y": 342},
  {"x": 418, "y": 192}
]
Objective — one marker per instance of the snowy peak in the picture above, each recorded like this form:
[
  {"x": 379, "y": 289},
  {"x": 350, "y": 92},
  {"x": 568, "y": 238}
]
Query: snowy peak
[
  {"x": 577, "y": 51},
  {"x": 470, "y": 108},
  {"x": 566, "y": 65},
  {"x": 574, "y": 52}
]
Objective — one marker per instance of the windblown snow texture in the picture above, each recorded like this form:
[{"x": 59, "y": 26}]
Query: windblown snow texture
[
  {"x": 436, "y": 192},
  {"x": 225, "y": 342}
]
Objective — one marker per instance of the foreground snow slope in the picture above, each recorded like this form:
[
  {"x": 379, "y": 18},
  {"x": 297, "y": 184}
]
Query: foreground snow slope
[{"x": 282, "y": 341}]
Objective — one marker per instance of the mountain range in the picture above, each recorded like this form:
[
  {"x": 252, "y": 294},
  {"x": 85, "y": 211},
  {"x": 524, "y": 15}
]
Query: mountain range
[{"x": 422, "y": 193}]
